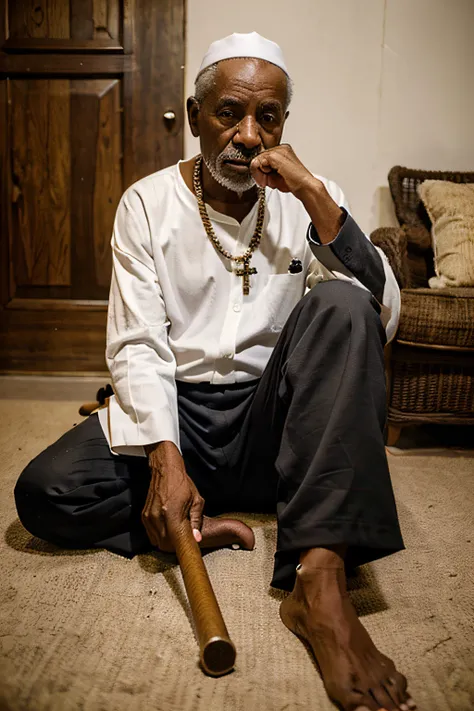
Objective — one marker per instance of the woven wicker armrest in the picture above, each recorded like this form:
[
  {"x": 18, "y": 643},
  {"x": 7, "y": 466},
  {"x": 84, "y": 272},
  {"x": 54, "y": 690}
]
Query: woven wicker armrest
[{"x": 393, "y": 242}]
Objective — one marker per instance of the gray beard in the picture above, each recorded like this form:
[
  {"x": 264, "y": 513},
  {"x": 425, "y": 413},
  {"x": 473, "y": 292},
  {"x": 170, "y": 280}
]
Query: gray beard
[{"x": 237, "y": 183}]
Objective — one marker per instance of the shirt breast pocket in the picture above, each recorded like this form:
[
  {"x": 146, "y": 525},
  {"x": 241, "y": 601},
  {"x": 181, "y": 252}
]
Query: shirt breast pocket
[{"x": 282, "y": 292}]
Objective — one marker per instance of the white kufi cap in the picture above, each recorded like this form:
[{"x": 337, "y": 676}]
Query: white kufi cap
[{"x": 244, "y": 45}]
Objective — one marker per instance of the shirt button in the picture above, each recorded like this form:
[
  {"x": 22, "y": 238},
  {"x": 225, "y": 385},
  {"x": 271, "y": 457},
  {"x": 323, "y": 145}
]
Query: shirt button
[{"x": 237, "y": 308}]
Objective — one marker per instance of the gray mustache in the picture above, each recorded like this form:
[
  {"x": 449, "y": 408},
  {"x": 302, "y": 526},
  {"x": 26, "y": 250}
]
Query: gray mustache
[{"x": 235, "y": 154}]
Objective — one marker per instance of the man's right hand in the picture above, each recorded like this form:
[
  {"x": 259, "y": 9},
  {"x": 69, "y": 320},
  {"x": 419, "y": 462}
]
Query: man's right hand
[{"x": 172, "y": 497}]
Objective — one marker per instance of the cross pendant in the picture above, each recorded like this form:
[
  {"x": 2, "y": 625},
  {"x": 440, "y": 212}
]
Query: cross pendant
[{"x": 245, "y": 273}]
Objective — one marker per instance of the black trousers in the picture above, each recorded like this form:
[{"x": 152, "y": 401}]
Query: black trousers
[{"x": 305, "y": 440}]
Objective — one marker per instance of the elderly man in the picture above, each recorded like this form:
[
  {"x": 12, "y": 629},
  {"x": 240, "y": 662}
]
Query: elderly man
[{"x": 247, "y": 319}]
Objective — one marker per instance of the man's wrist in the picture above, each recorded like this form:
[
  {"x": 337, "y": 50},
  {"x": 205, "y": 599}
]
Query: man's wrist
[
  {"x": 310, "y": 186},
  {"x": 326, "y": 215},
  {"x": 163, "y": 453}
]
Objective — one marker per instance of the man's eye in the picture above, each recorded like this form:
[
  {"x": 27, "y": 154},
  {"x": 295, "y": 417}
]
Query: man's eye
[
  {"x": 268, "y": 118},
  {"x": 226, "y": 114}
]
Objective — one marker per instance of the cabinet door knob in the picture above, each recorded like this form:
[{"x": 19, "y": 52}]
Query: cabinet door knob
[{"x": 169, "y": 115}]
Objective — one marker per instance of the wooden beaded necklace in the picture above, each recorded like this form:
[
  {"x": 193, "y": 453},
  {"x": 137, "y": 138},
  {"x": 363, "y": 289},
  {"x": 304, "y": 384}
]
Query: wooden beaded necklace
[{"x": 244, "y": 259}]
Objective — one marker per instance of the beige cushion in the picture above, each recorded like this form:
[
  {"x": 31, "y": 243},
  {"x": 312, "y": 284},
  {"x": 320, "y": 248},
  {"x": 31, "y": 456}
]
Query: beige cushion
[{"x": 451, "y": 210}]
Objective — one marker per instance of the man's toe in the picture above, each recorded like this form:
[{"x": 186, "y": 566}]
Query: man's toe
[{"x": 396, "y": 686}]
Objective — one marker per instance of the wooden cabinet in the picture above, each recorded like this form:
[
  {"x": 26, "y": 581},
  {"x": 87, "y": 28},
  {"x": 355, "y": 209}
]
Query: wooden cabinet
[{"x": 84, "y": 87}]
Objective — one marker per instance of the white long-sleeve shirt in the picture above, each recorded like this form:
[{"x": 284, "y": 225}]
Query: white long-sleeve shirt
[{"x": 177, "y": 309}]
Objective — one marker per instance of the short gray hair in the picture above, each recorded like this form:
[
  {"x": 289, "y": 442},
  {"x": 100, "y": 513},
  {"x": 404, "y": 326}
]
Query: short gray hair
[{"x": 206, "y": 80}]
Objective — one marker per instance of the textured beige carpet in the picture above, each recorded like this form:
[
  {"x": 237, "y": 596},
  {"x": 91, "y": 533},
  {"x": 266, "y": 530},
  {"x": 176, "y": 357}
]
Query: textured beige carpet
[{"x": 91, "y": 631}]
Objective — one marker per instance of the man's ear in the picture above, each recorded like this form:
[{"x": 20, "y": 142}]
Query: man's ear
[{"x": 193, "y": 108}]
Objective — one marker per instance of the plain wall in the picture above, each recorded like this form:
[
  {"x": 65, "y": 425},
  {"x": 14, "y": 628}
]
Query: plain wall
[{"x": 377, "y": 83}]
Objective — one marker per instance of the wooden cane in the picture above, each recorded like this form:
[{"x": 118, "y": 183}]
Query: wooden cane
[{"x": 217, "y": 651}]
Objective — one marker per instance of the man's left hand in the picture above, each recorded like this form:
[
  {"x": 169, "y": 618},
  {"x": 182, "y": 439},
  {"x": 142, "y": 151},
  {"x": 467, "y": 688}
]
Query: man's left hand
[{"x": 281, "y": 169}]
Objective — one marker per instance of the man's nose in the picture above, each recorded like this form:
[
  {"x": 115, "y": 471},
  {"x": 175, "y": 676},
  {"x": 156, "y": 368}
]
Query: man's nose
[{"x": 248, "y": 133}]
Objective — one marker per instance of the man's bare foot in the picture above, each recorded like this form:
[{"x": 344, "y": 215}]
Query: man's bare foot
[
  {"x": 357, "y": 677},
  {"x": 219, "y": 532}
]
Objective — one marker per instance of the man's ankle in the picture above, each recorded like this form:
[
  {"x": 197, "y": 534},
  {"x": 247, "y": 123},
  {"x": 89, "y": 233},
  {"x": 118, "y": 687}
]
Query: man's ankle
[
  {"x": 320, "y": 570},
  {"x": 329, "y": 558}
]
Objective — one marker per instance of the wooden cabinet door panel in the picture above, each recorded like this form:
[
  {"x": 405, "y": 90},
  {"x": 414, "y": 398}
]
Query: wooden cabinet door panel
[
  {"x": 39, "y": 23},
  {"x": 97, "y": 182},
  {"x": 41, "y": 170},
  {"x": 84, "y": 85}
]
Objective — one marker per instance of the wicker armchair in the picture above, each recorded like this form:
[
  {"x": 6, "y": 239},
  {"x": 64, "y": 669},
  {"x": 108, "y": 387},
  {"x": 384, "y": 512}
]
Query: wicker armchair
[{"x": 430, "y": 364}]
